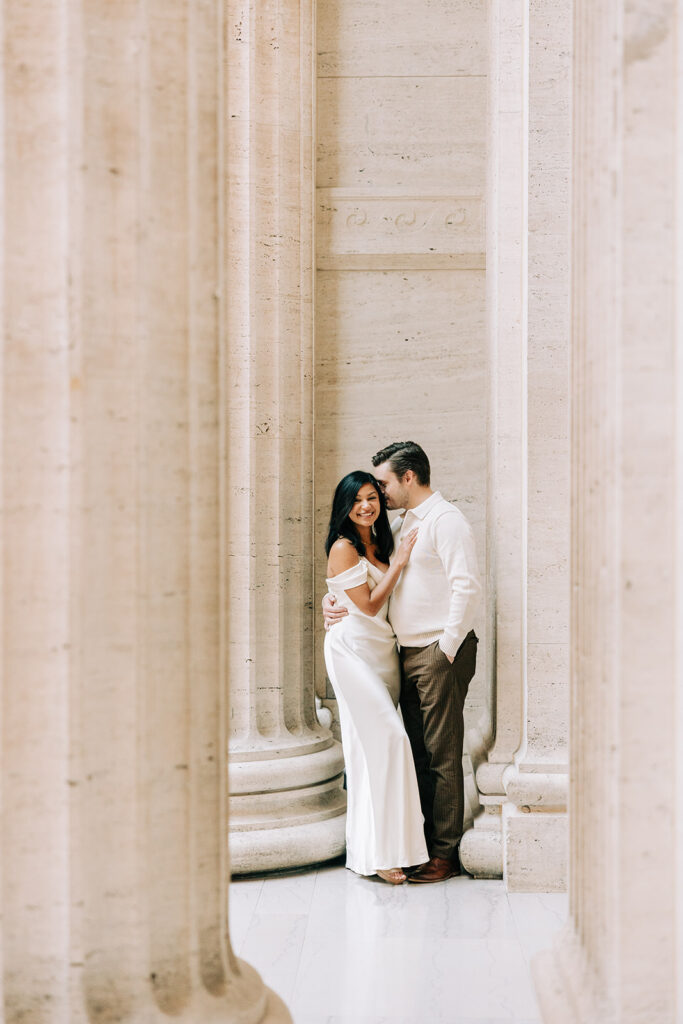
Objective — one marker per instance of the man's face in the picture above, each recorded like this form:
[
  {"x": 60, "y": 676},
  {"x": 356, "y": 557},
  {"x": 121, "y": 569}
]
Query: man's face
[{"x": 394, "y": 490}]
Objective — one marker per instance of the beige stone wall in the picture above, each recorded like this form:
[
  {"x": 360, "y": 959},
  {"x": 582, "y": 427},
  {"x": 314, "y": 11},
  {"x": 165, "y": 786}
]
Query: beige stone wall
[
  {"x": 400, "y": 342},
  {"x": 417, "y": 335}
]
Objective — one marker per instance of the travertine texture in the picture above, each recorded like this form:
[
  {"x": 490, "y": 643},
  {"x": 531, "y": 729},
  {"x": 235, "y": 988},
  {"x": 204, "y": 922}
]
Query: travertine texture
[
  {"x": 114, "y": 682},
  {"x": 287, "y": 798},
  {"x": 400, "y": 350},
  {"x": 162, "y": 537},
  {"x": 400, "y": 293},
  {"x": 619, "y": 961},
  {"x": 534, "y": 817},
  {"x": 524, "y": 779}
]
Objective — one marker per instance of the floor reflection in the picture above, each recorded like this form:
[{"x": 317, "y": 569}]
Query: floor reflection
[{"x": 341, "y": 949}]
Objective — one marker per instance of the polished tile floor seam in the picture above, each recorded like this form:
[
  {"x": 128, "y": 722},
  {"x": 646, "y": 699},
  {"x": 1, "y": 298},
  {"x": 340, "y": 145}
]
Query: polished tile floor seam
[{"x": 341, "y": 949}]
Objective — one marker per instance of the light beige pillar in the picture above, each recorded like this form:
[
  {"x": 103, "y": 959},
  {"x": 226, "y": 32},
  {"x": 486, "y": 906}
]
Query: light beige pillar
[
  {"x": 522, "y": 830},
  {"x": 481, "y": 849},
  {"x": 288, "y": 802},
  {"x": 114, "y": 695},
  {"x": 535, "y": 830},
  {"x": 619, "y": 959}
]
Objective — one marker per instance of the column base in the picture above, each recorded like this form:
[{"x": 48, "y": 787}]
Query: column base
[
  {"x": 245, "y": 1000},
  {"x": 535, "y": 830},
  {"x": 276, "y": 1011},
  {"x": 287, "y": 812},
  {"x": 567, "y": 985},
  {"x": 481, "y": 847},
  {"x": 294, "y": 846},
  {"x": 551, "y": 993},
  {"x": 535, "y": 850}
]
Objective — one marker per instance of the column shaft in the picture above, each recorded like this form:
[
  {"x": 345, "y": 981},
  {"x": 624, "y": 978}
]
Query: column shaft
[
  {"x": 535, "y": 812},
  {"x": 521, "y": 831},
  {"x": 114, "y": 699},
  {"x": 36, "y": 655},
  {"x": 286, "y": 770},
  {"x": 482, "y": 849},
  {"x": 617, "y": 960}
]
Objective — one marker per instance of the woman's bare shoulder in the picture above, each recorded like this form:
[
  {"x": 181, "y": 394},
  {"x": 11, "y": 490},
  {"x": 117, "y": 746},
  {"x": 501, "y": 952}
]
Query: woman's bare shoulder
[{"x": 343, "y": 555}]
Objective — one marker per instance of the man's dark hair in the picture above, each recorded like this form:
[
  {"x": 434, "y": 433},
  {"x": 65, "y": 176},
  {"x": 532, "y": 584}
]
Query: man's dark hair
[{"x": 402, "y": 456}]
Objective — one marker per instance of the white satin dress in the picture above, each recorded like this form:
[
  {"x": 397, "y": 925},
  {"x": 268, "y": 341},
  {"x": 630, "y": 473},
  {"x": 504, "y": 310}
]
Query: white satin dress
[{"x": 384, "y": 823}]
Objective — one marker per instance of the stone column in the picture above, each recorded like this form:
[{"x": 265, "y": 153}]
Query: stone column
[
  {"x": 114, "y": 696},
  {"x": 535, "y": 810},
  {"x": 521, "y": 832},
  {"x": 481, "y": 848},
  {"x": 619, "y": 958},
  {"x": 288, "y": 802}
]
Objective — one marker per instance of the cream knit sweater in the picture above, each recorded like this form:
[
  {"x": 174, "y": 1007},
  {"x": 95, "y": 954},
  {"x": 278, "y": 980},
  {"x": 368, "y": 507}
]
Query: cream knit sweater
[{"x": 437, "y": 595}]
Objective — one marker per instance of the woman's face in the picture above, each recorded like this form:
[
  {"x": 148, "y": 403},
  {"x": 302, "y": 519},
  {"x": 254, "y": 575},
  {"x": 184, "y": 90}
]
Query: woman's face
[{"x": 365, "y": 508}]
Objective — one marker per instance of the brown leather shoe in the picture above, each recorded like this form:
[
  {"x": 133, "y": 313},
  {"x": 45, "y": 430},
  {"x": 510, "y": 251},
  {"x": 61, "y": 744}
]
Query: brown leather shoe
[
  {"x": 413, "y": 868},
  {"x": 437, "y": 869}
]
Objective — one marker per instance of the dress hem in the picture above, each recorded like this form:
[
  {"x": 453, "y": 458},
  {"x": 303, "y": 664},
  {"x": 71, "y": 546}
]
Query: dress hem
[{"x": 401, "y": 862}]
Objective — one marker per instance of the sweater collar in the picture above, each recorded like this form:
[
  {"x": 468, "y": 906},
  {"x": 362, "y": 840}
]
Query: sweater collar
[{"x": 421, "y": 510}]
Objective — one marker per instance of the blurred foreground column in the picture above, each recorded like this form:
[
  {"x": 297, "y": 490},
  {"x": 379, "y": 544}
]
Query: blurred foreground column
[
  {"x": 617, "y": 960},
  {"x": 287, "y": 798},
  {"x": 114, "y": 571}
]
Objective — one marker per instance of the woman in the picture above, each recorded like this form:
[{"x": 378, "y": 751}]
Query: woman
[{"x": 384, "y": 825}]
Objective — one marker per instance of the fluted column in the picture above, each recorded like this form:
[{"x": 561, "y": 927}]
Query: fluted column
[
  {"x": 522, "y": 831},
  {"x": 481, "y": 849},
  {"x": 288, "y": 802},
  {"x": 535, "y": 830},
  {"x": 114, "y": 575},
  {"x": 618, "y": 961}
]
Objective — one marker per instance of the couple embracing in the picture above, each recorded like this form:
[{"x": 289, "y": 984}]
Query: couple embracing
[{"x": 399, "y": 614}]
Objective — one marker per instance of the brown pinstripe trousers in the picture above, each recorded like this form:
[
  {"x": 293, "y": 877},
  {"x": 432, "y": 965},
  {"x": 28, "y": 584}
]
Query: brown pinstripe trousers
[{"x": 433, "y": 695}]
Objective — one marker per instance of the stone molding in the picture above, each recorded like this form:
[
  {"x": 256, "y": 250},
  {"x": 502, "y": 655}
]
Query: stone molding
[
  {"x": 410, "y": 230},
  {"x": 537, "y": 789},
  {"x": 488, "y": 850}
]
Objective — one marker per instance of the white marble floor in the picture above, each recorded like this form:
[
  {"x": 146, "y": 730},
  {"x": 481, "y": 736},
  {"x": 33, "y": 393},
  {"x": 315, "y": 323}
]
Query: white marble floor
[{"x": 341, "y": 949}]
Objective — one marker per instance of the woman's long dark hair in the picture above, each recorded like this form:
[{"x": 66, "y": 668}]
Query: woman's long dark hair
[{"x": 341, "y": 525}]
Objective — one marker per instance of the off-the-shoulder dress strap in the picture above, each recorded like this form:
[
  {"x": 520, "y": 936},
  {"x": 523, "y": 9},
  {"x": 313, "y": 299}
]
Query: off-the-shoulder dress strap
[{"x": 355, "y": 576}]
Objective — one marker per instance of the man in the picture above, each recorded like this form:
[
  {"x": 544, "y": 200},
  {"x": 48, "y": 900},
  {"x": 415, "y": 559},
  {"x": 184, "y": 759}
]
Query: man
[{"x": 432, "y": 612}]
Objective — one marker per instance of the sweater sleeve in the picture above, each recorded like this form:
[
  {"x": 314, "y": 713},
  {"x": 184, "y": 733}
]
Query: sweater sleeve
[{"x": 454, "y": 544}]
